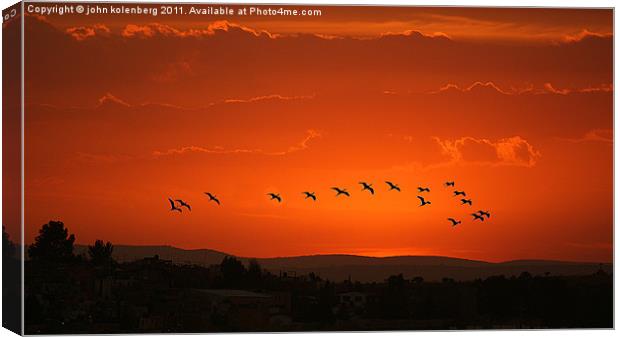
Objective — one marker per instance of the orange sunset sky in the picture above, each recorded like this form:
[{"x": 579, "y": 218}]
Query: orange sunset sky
[{"x": 514, "y": 105}]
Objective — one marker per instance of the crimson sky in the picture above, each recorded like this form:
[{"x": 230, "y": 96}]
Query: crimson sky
[{"x": 514, "y": 105}]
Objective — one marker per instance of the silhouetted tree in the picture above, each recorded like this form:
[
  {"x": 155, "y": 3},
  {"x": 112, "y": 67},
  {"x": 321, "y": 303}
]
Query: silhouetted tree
[
  {"x": 100, "y": 253},
  {"x": 232, "y": 270},
  {"x": 255, "y": 272},
  {"x": 314, "y": 277},
  {"x": 395, "y": 298},
  {"x": 54, "y": 244},
  {"x": 8, "y": 247},
  {"x": 326, "y": 300},
  {"x": 525, "y": 275},
  {"x": 11, "y": 284},
  {"x": 396, "y": 281}
]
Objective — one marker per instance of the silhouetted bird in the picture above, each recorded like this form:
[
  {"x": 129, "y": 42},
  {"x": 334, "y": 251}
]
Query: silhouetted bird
[
  {"x": 368, "y": 187},
  {"x": 341, "y": 191},
  {"x": 487, "y": 214},
  {"x": 466, "y": 201},
  {"x": 477, "y": 217},
  {"x": 310, "y": 195},
  {"x": 393, "y": 186},
  {"x": 275, "y": 196},
  {"x": 460, "y": 193},
  {"x": 450, "y": 183},
  {"x": 423, "y": 189},
  {"x": 183, "y": 204},
  {"x": 423, "y": 202},
  {"x": 454, "y": 222},
  {"x": 173, "y": 207},
  {"x": 212, "y": 197}
]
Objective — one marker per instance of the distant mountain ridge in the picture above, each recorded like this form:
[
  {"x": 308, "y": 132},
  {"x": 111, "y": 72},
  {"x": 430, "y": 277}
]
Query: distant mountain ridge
[{"x": 338, "y": 267}]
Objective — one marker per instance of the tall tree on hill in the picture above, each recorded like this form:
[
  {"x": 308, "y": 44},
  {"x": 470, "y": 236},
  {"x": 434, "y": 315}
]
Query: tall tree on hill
[{"x": 53, "y": 244}]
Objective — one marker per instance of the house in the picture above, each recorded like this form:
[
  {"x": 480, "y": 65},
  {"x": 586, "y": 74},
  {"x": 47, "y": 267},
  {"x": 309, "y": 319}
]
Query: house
[
  {"x": 242, "y": 309},
  {"x": 353, "y": 299}
]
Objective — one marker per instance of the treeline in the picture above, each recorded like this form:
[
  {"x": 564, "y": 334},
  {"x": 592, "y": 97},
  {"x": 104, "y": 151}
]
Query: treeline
[
  {"x": 11, "y": 284},
  {"x": 55, "y": 281}
]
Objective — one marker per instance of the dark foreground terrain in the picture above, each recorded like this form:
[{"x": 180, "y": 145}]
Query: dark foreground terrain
[
  {"x": 92, "y": 292},
  {"x": 155, "y": 295}
]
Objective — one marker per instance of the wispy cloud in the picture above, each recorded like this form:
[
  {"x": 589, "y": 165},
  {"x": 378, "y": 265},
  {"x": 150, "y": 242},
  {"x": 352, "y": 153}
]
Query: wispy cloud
[
  {"x": 266, "y": 98},
  {"x": 476, "y": 86},
  {"x": 550, "y": 88},
  {"x": 107, "y": 158},
  {"x": 302, "y": 145},
  {"x": 173, "y": 72},
  {"x": 595, "y": 135},
  {"x": 584, "y": 34},
  {"x": 109, "y": 98},
  {"x": 600, "y": 88},
  {"x": 547, "y": 88}
]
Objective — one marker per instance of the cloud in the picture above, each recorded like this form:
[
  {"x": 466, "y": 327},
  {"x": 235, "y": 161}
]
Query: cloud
[
  {"x": 416, "y": 33},
  {"x": 564, "y": 91},
  {"x": 109, "y": 98},
  {"x": 158, "y": 29},
  {"x": 329, "y": 37},
  {"x": 267, "y": 97},
  {"x": 475, "y": 87},
  {"x": 547, "y": 88},
  {"x": 595, "y": 135},
  {"x": 84, "y": 32},
  {"x": 585, "y": 34},
  {"x": 310, "y": 135},
  {"x": 93, "y": 158},
  {"x": 220, "y": 59},
  {"x": 173, "y": 72},
  {"x": 211, "y": 150},
  {"x": 550, "y": 88},
  {"x": 600, "y": 88},
  {"x": 512, "y": 151},
  {"x": 302, "y": 145}
]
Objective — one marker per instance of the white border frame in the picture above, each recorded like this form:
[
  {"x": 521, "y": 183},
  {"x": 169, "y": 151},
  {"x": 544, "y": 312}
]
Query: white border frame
[{"x": 444, "y": 3}]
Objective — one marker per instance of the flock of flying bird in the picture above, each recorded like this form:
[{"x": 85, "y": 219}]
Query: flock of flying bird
[{"x": 177, "y": 204}]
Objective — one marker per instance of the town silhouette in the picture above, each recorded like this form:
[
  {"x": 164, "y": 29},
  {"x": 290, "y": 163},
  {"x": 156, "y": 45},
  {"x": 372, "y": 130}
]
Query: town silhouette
[{"x": 67, "y": 292}]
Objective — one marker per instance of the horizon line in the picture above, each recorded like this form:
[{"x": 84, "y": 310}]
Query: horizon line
[{"x": 358, "y": 255}]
